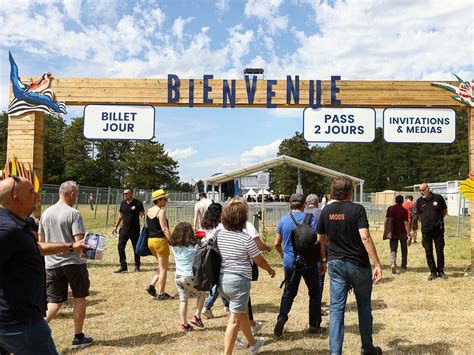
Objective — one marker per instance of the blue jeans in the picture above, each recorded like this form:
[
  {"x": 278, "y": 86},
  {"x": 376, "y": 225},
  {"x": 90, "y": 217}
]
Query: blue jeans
[
  {"x": 343, "y": 275},
  {"x": 211, "y": 299},
  {"x": 31, "y": 338},
  {"x": 310, "y": 274}
]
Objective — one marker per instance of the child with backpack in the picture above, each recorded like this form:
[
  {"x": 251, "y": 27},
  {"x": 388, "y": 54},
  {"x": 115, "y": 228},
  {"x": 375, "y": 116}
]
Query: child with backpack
[{"x": 184, "y": 245}]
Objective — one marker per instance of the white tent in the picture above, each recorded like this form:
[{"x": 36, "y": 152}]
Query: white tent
[
  {"x": 265, "y": 192},
  {"x": 250, "y": 192}
]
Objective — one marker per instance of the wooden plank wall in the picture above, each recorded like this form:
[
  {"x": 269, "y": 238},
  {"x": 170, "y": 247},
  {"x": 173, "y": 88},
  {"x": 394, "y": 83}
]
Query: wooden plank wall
[{"x": 26, "y": 142}]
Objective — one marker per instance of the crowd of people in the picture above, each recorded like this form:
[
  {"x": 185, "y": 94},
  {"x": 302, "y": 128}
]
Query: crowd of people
[{"x": 33, "y": 288}]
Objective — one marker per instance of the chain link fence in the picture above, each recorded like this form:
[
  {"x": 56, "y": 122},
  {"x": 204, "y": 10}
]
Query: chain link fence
[{"x": 103, "y": 208}]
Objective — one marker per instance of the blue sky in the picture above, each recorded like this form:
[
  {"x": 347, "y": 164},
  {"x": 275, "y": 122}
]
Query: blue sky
[{"x": 356, "y": 39}]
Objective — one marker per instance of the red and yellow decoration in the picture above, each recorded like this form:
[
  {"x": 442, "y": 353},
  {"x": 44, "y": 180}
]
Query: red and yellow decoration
[
  {"x": 14, "y": 167},
  {"x": 466, "y": 187}
]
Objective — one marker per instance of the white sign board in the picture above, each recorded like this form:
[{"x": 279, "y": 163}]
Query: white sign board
[
  {"x": 134, "y": 122},
  {"x": 263, "y": 180},
  {"x": 419, "y": 125},
  {"x": 334, "y": 124}
]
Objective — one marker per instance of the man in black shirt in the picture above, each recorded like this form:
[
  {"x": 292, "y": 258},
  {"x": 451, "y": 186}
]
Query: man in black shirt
[
  {"x": 130, "y": 213},
  {"x": 431, "y": 210},
  {"x": 344, "y": 227},
  {"x": 22, "y": 272}
]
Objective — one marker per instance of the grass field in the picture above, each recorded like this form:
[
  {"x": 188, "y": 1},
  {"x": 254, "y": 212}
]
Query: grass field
[{"x": 411, "y": 315}]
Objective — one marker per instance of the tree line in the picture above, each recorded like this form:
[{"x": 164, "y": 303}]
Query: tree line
[
  {"x": 382, "y": 165},
  {"x": 68, "y": 155}
]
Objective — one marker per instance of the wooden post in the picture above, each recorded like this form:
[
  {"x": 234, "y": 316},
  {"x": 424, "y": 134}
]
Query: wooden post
[
  {"x": 470, "y": 117},
  {"x": 25, "y": 141}
]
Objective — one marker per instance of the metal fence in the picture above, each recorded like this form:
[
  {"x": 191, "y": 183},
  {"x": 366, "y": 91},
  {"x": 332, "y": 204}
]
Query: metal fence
[{"x": 105, "y": 207}]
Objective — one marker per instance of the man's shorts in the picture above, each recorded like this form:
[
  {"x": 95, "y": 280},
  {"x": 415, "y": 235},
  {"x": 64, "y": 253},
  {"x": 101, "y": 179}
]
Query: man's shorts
[
  {"x": 159, "y": 246},
  {"x": 58, "y": 279},
  {"x": 186, "y": 289},
  {"x": 236, "y": 289}
]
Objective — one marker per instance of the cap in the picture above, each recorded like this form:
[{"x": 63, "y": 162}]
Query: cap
[
  {"x": 157, "y": 194},
  {"x": 297, "y": 198}
]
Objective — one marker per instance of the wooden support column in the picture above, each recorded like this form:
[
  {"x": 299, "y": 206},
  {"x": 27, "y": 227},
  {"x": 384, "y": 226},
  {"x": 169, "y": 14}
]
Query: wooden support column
[
  {"x": 470, "y": 117},
  {"x": 26, "y": 142}
]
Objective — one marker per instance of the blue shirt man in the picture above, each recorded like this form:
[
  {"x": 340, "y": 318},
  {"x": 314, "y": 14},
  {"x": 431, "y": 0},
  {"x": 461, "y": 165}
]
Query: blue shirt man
[{"x": 295, "y": 270}]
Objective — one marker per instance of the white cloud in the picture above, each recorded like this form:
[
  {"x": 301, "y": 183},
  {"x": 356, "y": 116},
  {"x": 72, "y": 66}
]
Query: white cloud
[
  {"x": 222, "y": 5},
  {"x": 178, "y": 26},
  {"x": 261, "y": 152},
  {"x": 267, "y": 11},
  {"x": 180, "y": 154},
  {"x": 73, "y": 9},
  {"x": 287, "y": 112}
]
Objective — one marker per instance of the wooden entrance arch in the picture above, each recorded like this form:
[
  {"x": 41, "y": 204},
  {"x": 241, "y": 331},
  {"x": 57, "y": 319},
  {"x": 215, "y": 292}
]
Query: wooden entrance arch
[{"x": 25, "y": 133}]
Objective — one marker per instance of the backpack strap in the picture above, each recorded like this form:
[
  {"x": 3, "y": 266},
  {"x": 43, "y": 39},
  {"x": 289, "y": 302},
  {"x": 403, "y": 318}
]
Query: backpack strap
[
  {"x": 307, "y": 218},
  {"x": 294, "y": 220},
  {"x": 214, "y": 237}
]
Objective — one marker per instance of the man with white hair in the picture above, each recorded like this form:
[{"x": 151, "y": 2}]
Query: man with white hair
[
  {"x": 23, "y": 329},
  {"x": 62, "y": 223}
]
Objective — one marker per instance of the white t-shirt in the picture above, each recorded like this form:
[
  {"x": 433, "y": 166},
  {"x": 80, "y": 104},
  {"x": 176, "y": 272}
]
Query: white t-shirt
[{"x": 200, "y": 209}]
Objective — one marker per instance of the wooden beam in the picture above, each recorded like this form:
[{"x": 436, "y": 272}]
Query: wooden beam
[
  {"x": 26, "y": 142},
  {"x": 378, "y": 94}
]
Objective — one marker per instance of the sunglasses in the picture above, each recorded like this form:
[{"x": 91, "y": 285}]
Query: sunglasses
[{"x": 16, "y": 180}]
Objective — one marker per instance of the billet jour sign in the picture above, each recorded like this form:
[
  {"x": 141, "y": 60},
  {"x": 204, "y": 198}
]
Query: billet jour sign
[{"x": 134, "y": 122}]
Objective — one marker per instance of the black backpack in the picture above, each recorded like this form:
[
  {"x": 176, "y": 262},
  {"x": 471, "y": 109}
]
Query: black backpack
[
  {"x": 413, "y": 212},
  {"x": 305, "y": 244},
  {"x": 207, "y": 265}
]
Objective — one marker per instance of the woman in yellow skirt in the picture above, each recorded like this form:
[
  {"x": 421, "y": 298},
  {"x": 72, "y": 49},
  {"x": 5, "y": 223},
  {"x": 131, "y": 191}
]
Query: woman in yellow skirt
[{"x": 159, "y": 235}]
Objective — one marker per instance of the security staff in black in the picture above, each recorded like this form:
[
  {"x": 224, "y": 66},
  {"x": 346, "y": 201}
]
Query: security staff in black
[
  {"x": 431, "y": 210},
  {"x": 130, "y": 214}
]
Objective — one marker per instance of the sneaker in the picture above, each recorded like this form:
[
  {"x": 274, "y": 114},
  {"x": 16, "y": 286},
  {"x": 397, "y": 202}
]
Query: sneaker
[
  {"x": 256, "y": 347},
  {"x": 208, "y": 313},
  {"x": 197, "y": 322},
  {"x": 78, "y": 343},
  {"x": 137, "y": 268},
  {"x": 403, "y": 270},
  {"x": 442, "y": 275},
  {"x": 240, "y": 344},
  {"x": 432, "y": 276},
  {"x": 163, "y": 297},
  {"x": 121, "y": 269},
  {"x": 151, "y": 290},
  {"x": 226, "y": 310},
  {"x": 377, "y": 350},
  {"x": 257, "y": 328},
  {"x": 317, "y": 330},
  {"x": 394, "y": 269},
  {"x": 278, "y": 330},
  {"x": 184, "y": 328}
]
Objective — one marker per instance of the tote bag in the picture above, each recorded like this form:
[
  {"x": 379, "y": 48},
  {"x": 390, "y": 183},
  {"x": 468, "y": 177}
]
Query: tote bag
[{"x": 142, "y": 243}]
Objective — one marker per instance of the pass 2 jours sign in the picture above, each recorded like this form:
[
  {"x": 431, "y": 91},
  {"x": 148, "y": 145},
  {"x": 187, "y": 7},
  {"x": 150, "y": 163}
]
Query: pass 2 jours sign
[{"x": 339, "y": 125}]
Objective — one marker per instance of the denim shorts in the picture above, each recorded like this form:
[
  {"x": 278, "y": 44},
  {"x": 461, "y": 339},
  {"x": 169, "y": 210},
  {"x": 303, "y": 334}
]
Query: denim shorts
[{"x": 236, "y": 289}]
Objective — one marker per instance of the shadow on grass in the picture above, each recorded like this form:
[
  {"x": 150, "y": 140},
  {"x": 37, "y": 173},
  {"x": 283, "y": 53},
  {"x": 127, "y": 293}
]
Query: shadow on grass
[
  {"x": 265, "y": 307},
  {"x": 296, "y": 351},
  {"x": 68, "y": 314},
  {"x": 139, "y": 340},
  {"x": 289, "y": 334},
  {"x": 354, "y": 328},
  {"x": 400, "y": 346},
  {"x": 376, "y": 305}
]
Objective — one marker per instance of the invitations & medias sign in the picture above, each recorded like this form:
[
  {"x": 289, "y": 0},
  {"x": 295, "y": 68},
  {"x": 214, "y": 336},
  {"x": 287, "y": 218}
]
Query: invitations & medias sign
[{"x": 419, "y": 125}]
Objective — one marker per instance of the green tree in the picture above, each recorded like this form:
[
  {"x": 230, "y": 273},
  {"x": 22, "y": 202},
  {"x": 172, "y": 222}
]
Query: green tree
[
  {"x": 148, "y": 166},
  {"x": 108, "y": 159},
  {"x": 78, "y": 163},
  {"x": 3, "y": 138},
  {"x": 54, "y": 162}
]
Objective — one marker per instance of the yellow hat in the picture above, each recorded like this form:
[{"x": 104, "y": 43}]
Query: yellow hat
[{"x": 157, "y": 194}]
